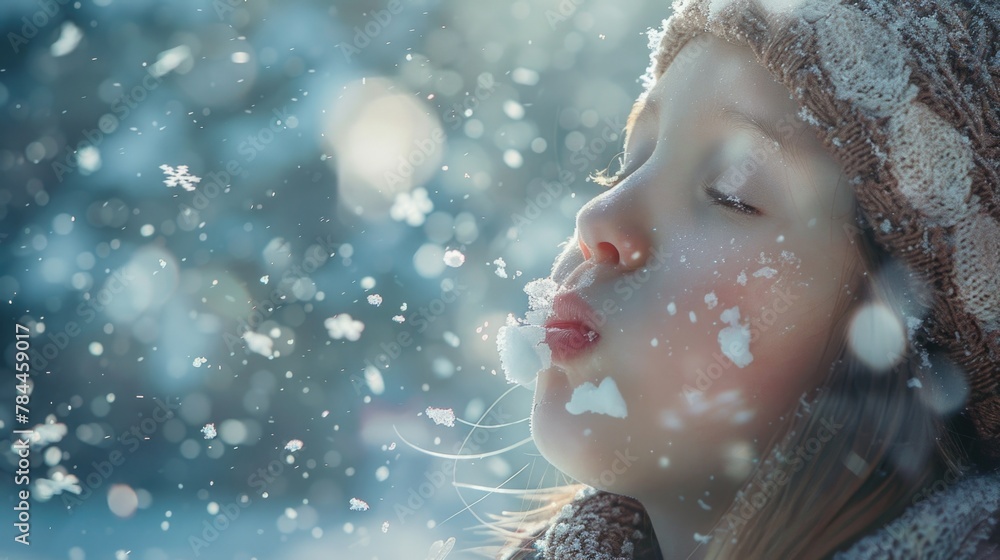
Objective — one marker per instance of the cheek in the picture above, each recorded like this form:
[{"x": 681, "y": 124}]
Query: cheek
[
  {"x": 739, "y": 345},
  {"x": 770, "y": 352}
]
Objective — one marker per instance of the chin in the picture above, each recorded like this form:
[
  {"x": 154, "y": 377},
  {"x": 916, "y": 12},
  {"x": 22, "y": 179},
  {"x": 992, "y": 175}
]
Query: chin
[{"x": 584, "y": 447}]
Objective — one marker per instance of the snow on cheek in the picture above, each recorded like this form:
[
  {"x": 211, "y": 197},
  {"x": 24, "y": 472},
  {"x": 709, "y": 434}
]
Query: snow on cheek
[
  {"x": 603, "y": 399},
  {"x": 734, "y": 340},
  {"x": 765, "y": 272}
]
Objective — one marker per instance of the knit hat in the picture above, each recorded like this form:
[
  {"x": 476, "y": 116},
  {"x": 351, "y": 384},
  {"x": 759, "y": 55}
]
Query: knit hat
[{"x": 905, "y": 94}]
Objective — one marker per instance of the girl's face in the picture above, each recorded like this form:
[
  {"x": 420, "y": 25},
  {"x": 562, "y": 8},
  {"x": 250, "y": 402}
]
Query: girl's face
[{"x": 727, "y": 203}]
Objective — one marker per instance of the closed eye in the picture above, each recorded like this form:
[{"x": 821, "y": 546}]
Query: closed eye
[{"x": 729, "y": 201}]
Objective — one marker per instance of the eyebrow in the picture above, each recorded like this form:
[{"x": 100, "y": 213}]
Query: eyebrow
[
  {"x": 761, "y": 126},
  {"x": 645, "y": 108}
]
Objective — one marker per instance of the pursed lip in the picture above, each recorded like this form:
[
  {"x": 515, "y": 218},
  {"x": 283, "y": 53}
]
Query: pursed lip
[{"x": 570, "y": 331}]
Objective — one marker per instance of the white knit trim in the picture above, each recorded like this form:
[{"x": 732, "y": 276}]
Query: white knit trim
[
  {"x": 977, "y": 267},
  {"x": 931, "y": 162},
  {"x": 866, "y": 62}
]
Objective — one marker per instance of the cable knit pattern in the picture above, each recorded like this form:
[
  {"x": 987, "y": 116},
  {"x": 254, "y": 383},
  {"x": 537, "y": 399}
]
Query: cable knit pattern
[
  {"x": 953, "y": 525},
  {"x": 598, "y": 526},
  {"x": 594, "y": 526}
]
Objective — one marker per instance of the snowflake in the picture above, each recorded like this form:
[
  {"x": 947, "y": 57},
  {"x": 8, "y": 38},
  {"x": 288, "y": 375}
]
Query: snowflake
[
  {"x": 501, "y": 270},
  {"x": 294, "y": 445},
  {"x": 375, "y": 300},
  {"x": 454, "y": 258},
  {"x": 259, "y": 343},
  {"x": 60, "y": 482},
  {"x": 359, "y": 505},
  {"x": 411, "y": 208},
  {"x": 198, "y": 362},
  {"x": 398, "y": 318},
  {"x": 179, "y": 177},
  {"x": 343, "y": 325},
  {"x": 385, "y": 526},
  {"x": 440, "y": 416},
  {"x": 209, "y": 431},
  {"x": 44, "y": 434}
]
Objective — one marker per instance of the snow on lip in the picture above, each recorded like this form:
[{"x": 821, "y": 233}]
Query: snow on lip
[{"x": 570, "y": 331}]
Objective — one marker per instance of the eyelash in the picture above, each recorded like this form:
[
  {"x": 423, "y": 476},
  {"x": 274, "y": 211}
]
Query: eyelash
[{"x": 717, "y": 197}]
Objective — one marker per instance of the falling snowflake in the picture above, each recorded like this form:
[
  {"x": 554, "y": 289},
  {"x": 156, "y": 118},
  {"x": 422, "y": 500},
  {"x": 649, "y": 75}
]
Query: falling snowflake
[
  {"x": 259, "y": 343},
  {"x": 198, "y": 362},
  {"x": 60, "y": 482},
  {"x": 343, "y": 325},
  {"x": 44, "y": 434},
  {"x": 179, "y": 177},
  {"x": 441, "y": 416},
  {"x": 501, "y": 270},
  {"x": 411, "y": 208},
  {"x": 265, "y": 278},
  {"x": 294, "y": 445},
  {"x": 375, "y": 300},
  {"x": 398, "y": 318},
  {"x": 358, "y": 505},
  {"x": 454, "y": 258},
  {"x": 385, "y": 526},
  {"x": 209, "y": 431}
]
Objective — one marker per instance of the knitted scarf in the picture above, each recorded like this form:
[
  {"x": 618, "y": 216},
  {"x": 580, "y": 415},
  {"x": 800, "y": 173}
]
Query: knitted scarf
[{"x": 959, "y": 522}]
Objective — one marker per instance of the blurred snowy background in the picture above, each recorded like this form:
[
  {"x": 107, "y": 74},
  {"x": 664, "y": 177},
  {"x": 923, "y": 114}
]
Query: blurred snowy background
[{"x": 255, "y": 241}]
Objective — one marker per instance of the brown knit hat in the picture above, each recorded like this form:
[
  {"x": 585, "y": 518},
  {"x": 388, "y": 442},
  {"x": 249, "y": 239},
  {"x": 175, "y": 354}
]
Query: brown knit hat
[{"x": 905, "y": 94}]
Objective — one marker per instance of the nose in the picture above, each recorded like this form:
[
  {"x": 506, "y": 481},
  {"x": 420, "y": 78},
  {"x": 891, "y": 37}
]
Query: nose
[{"x": 614, "y": 229}]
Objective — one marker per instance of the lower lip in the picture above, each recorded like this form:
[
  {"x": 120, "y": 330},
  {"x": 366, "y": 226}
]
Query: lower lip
[{"x": 569, "y": 341}]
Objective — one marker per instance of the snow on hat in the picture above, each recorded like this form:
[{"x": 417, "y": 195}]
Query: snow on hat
[{"x": 905, "y": 94}]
